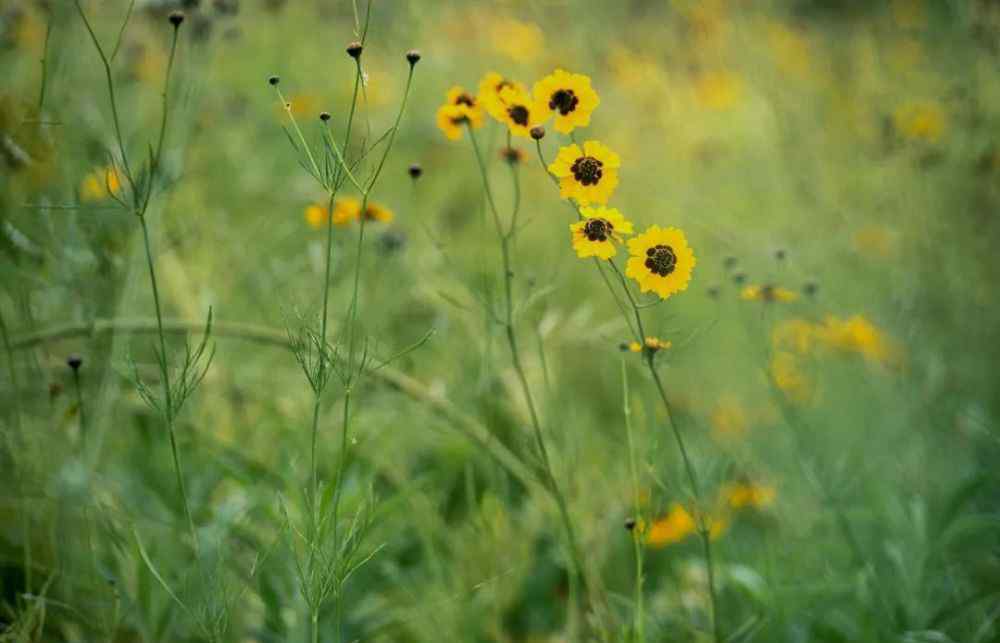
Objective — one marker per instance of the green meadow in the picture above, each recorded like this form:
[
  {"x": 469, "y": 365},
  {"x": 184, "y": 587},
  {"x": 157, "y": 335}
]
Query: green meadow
[{"x": 553, "y": 321}]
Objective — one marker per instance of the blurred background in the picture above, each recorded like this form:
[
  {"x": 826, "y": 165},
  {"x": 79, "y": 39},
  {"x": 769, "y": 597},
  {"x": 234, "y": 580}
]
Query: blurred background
[{"x": 844, "y": 154}]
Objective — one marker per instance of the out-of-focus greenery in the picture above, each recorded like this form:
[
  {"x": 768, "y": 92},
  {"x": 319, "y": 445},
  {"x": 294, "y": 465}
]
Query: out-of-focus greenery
[{"x": 847, "y": 152}]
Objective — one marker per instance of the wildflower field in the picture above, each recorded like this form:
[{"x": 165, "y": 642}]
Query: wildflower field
[{"x": 338, "y": 320}]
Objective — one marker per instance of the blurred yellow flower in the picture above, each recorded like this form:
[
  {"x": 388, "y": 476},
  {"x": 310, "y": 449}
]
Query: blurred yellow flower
[
  {"x": 874, "y": 240},
  {"x": 635, "y": 347},
  {"x": 768, "y": 292},
  {"x": 519, "y": 41},
  {"x": 521, "y": 111},
  {"x": 589, "y": 175},
  {"x": 858, "y": 335},
  {"x": 787, "y": 374},
  {"x": 460, "y": 109},
  {"x": 377, "y": 212},
  {"x": 718, "y": 90},
  {"x": 345, "y": 211},
  {"x": 794, "y": 335},
  {"x": 661, "y": 261},
  {"x": 569, "y": 96},
  {"x": 304, "y": 105},
  {"x": 729, "y": 418},
  {"x": 742, "y": 495},
  {"x": 677, "y": 525},
  {"x": 597, "y": 234},
  {"x": 100, "y": 184},
  {"x": 789, "y": 48},
  {"x": 657, "y": 344},
  {"x": 316, "y": 216},
  {"x": 920, "y": 121}
]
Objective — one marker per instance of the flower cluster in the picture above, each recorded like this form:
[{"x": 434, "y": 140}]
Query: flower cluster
[
  {"x": 345, "y": 212},
  {"x": 660, "y": 259}
]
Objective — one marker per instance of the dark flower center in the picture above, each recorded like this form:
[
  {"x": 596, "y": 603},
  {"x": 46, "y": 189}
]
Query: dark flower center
[
  {"x": 598, "y": 229},
  {"x": 465, "y": 99},
  {"x": 518, "y": 114},
  {"x": 459, "y": 120},
  {"x": 587, "y": 170},
  {"x": 564, "y": 100},
  {"x": 767, "y": 292},
  {"x": 661, "y": 260}
]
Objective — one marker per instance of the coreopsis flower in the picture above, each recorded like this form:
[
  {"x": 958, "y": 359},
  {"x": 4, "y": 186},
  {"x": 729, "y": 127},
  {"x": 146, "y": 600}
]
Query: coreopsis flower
[
  {"x": 489, "y": 94},
  {"x": 569, "y": 97},
  {"x": 661, "y": 261},
  {"x": 788, "y": 376},
  {"x": 521, "y": 112},
  {"x": 459, "y": 110},
  {"x": 768, "y": 293},
  {"x": 794, "y": 335},
  {"x": 857, "y": 335},
  {"x": 677, "y": 525},
  {"x": 377, "y": 212},
  {"x": 588, "y": 174},
  {"x": 100, "y": 184},
  {"x": 599, "y": 232},
  {"x": 748, "y": 494}
]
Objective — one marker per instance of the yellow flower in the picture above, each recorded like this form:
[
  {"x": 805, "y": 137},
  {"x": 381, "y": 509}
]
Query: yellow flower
[
  {"x": 795, "y": 335},
  {"x": 671, "y": 528},
  {"x": 874, "y": 240},
  {"x": 718, "y": 90},
  {"x": 729, "y": 419},
  {"x": 489, "y": 94},
  {"x": 787, "y": 374},
  {"x": 316, "y": 216},
  {"x": 677, "y": 525},
  {"x": 100, "y": 184},
  {"x": 789, "y": 48},
  {"x": 460, "y": 109},
  {"x": 521, "y": 111},
  {"x": 741, "y": 495},
  {"x": 635, "y": 347},
  {"x": 661, "y": 261},
  {"x": 596, "y": 235},
  {"x": 519, "y": 41},
  {"x": 656, "y": 344},
  {"x": 376, "y": 212},
  {"x": 857, "y": 335},
  {"x": 920, "y": 121},
  {"x": 570, "y": 96},
  {"x": 768, "y": 292},
  {"x": 589, "y": 175}
]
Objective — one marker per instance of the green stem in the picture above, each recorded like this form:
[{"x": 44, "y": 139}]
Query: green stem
[
  {"x": 508, "y": 322},
  {"x": 640, "y": 625},
  {"x": 168, "y": 414},
  {"x": 79, "y": 407}
]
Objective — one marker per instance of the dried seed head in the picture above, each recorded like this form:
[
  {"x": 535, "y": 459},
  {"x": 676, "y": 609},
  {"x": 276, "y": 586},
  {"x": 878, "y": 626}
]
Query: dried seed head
[
  {"x": 413, "y": 57},
  {"x": 780, "y": 254},
  {"x": 324, "y": 116},
  {"x": 176, "y": 18},
  {"x": 810, "y": 288},
  {"x": 354, "y": 50},
  {"x": 739, "y": 278},
  {"x": 273, "y": 80},
  {"x": 538, "y": 133},
  {"x": 512, "y": 155},
  {"x": 713, "y": 292},
  {"x": 74, "y": 361},
  {"x": 415, "y": 171},
  {"x": 630, "y": 524},
  {"x": 729, "y": 263}
]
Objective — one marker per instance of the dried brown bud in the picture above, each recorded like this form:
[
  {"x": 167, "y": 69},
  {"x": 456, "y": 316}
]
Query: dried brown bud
[
  {"x": 273, "y": 80},
  {"x": 324, "y": 116},
  {"x": 538, "y": 133},
  {"x": 413, "y": 56},
  {"x": 415, "y": 171},
  {"x": 354, "y": 50},
  {"x": 176, "y": 18}
]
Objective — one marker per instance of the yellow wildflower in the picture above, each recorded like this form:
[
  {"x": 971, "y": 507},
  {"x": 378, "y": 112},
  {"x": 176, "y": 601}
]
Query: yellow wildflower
[
  {"x": 100, "y": 184},
  {"x": 569, "y": 96},
  {"x": 521, "y": 111},
  {"x": 661, "y": 261},
  {"x": 459, "y": 109},
  {"x": 589, "y": 175},
  {"x": 718, "y": 90},
  {"x": 597, "y": 233},
  {"x": 787, "y": 374},
  {"x": 742, "y": 495},
  {"x": 920, "y": 121},
  {"x": 519, "y": 41},
  {"x": 768, "y": 292},
  {"x": 858, "y": 335},
  {"x": 489, "y": 94},
  {"x": 794, "y": 335}
]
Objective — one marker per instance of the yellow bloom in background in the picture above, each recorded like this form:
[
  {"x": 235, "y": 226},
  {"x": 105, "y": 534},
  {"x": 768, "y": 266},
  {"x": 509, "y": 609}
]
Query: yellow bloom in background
[
  {"x": 671, "y": 528},
  {"x": 743, "y": 495},
  {"x": 874, "y": 240},
  {"x": 729, "y": 418},
  {"x": 789, "y": 48},
  {"x": 460, "y": 109},
  {"x": 661, "y": 261},
  {"x": 718, "y": 90},
  {"x": 787, "y": 374},
  {"x": 677, "y": 525},
  {"x": 589, "y": 175},
  {"x": 920, "y": 121},
  {"x": 100, "y": 184},
  {"x": 794, "y": 335},
  {"x": 656, "y": 344},
  {"x": 635, "y": 347},
  {"x": 569, "y": 96},
  {"x": 858, "y": 335},
  {"x": 521, "y": 111},
  {"x": 598, "y": 233},
  {"x": 519, "y": 41},
  {"x": 316, "y": 216},
  {"x": 304, "y": 105},
  {"x": 768, "y": 292},
  {"x": 376, "y": 212}
]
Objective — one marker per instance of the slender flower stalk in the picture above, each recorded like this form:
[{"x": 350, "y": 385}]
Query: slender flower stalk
[
  {"x": 639, "y": 621},
  {"x": 505, "y": 236}
]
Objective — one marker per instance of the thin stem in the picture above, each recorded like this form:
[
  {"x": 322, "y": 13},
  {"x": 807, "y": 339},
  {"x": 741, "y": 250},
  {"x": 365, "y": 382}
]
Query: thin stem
[
  {"x": 79, "y": 407},
  {"x": 12, "y": 371},
  {"x": 640, "y": 625},
  {"x": 553, "y": 485},
  {"x": 45, "y": 68},
  {"x": 168, "y": 413}
]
